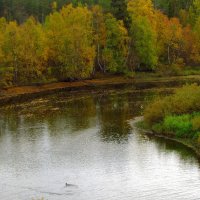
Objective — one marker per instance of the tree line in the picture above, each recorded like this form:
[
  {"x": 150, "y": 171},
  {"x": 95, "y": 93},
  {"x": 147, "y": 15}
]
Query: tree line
[
  {"x": 75, "y": 41},
  {"x": 20, "y": 10}
]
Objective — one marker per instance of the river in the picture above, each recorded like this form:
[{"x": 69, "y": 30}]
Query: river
[{"x": 88, "y": 141}]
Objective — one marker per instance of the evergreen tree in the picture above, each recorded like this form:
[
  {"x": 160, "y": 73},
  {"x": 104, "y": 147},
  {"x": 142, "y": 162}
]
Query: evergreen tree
[{"x": 119, "y": 10}]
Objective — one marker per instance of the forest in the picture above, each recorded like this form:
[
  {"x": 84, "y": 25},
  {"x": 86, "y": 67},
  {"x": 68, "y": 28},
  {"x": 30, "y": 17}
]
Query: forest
[{"x": 48, "y": 41}]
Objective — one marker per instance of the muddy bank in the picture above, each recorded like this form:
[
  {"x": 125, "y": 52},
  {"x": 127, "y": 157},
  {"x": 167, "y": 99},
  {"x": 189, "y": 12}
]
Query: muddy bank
[{"x": 24, "y": 93}]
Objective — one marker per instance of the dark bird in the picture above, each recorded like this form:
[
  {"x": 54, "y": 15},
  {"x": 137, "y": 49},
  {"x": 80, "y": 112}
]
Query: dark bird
[{"x": 70, "y": 185}]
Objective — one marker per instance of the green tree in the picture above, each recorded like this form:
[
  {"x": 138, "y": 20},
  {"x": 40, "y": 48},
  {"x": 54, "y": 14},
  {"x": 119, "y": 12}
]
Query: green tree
[
  {"x": 116, "y": 49},
  {"x": 144, "y": 42},
  {"x": 119, "y": 10},
  {"x": 194, "y": 12},
  {"x": 143, "y": 33}
]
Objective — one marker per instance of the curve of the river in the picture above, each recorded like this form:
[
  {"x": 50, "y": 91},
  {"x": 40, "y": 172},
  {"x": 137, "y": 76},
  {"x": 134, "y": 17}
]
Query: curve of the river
[{"x": 88, "y": 141}]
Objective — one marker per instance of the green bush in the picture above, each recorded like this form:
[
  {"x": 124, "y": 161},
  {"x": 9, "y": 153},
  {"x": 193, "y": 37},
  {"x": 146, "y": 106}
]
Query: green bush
[
  {"x": 155, "y": 111},
  {"x": 158, "y": 128},
  {"x": 185, "y": 100},
  {"x": 198, "y": 139},
  {"x": 196, "y": 123}
]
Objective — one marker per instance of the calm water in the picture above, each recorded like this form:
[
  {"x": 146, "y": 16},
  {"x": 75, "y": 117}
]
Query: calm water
[{"x": 90, "y": 141}]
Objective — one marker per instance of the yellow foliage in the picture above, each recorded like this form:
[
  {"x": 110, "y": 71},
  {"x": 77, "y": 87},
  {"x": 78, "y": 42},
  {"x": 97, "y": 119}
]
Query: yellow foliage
[
  {"x": 196, "y": 123},
  {"x": 70, "y": 41},
  {"x": 141, "y": 8}
]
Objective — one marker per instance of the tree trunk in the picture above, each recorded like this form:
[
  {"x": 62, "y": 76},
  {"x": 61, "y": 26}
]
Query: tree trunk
[
  {"x": 168, "y": 52},
  {"x": 98, "y": 58}
]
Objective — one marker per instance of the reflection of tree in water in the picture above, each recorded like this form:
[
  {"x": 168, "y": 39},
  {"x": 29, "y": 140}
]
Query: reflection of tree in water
[
  {"x": 2, "y": 125},
  {"x": 30, "y": 121},
  {"x": 10, "y": 121},
  {"x": 80, "y": 113},
  {"x": 113, "y": 114},
  {"x": 19, "y": 127},
  {"x": 75, "y": 115},
  {"x": 115, "y": 132},
  {"x": 58, "y": 115}
]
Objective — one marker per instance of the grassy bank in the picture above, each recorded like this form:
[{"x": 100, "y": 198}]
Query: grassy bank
[{"x": 176, "y": 116}]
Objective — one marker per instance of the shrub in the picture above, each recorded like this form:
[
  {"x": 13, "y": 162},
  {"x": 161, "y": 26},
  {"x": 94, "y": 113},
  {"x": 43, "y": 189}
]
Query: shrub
[
  {"x": 196, "y": 123},
  {"x": 198, "y": 138},
  {"x": 170, "y": 70},
  {"x": 185, "y": 100},
  {"x": 158, "y": 128},
  {"x": 155, "y": 111}
]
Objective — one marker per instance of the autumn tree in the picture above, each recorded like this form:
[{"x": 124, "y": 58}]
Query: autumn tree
[
  {"x": 75, "y": 41},
  {"x": 191, "y": 46},
  {"x": 70, "y": 41},
  {"x": 169, "y": 39},
  {"x": 32, "y": 53},
  {"x": 142, "y": 33},
  {"x": 6, "y": 72},
  {"x": 174, "y": 40},
  {"x": 112, "y": 41},
  {"x": 116, "y": 50},
  {"x": 99, "y": 28},
  {"x": 10, "y": 48}
]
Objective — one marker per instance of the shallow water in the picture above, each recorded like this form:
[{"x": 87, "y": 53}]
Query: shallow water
[{"x": 89, "y": 141}]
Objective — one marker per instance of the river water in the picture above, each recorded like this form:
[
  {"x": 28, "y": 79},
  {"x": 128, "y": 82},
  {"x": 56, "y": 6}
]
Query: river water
[{"x": 89, "y": 141}]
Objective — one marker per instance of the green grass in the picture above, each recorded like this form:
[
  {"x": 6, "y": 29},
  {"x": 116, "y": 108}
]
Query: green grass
[{"x": 181, "y": 126}]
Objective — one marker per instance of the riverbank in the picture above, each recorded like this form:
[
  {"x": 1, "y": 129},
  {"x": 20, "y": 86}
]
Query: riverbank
[
  {"x": 18, "y": 94},
  {"x": 23, "y": 93},
  {"x": 138, "y": 123},
  {"x": 176, "y": 116}
]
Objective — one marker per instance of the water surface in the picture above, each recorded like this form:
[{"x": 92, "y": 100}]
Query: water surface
[{"x": 90, "y": 142}]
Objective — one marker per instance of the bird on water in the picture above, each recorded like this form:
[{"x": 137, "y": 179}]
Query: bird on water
[{"x": 70, "y": 185}]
